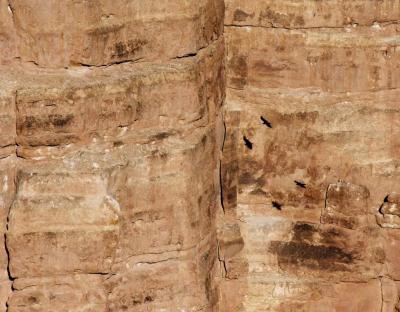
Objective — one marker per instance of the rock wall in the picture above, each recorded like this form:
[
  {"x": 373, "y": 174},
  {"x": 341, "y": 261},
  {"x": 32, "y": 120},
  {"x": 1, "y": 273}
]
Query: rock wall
[
  {"x": 110, "y": 137},
  {"x": 311, "y": 164},
  {"x": 114, "y": 193}
]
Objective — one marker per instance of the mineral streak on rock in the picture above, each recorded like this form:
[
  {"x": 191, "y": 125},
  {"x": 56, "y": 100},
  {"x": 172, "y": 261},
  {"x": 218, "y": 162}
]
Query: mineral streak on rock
[{"x": 115, "y": 195}]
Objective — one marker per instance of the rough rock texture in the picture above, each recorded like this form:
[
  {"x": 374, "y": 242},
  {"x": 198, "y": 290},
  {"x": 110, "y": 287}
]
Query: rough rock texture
[
  {"x": 310, "y": 168},
  {"x": 110, "y": 134},
  {"x": 114, "y": 193}
]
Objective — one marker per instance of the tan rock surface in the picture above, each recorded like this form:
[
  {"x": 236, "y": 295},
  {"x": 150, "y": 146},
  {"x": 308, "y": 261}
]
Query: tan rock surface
[
  {"x": 108, "y": 171},
  {"x": 310, "y": 166},
  {"x": 114, "y": 193},
  {"x": 101, "y": 32}
]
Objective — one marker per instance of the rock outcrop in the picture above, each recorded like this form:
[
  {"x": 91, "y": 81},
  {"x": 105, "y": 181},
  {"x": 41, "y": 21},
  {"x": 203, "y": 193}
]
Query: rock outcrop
[
  {"x": 311, "y": 161},
  {"x": 110, "y": 139},
  {"x": 128, "y": 182}
]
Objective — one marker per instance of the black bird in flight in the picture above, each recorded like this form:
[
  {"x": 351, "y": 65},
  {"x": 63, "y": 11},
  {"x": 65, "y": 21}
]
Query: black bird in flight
[
  {"x": 266, "y": 122},
  {"x": 300, "y": 184},
  {"x": 276, "y": 205},
  {"x": 247, "y": 142}
]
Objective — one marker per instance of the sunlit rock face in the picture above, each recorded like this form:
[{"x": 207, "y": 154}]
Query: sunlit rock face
[
  {"x": 110, "y": 135},
  {"x": 196, "y": 155},
  {"x": 310, "y": 170}
]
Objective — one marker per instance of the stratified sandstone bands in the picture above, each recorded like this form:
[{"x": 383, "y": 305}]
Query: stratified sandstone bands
[
  {"x": 310, "y": 166},
  {"x": 114, "y": 193},
  {"x": 101, "y": 32},
  {"x": 310, "y": 13},
  {"x": 109, "y": 172}
]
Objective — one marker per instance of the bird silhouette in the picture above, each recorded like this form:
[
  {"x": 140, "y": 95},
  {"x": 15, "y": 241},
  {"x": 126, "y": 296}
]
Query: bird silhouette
[
  {"x": 276, "y": 205},
  {"x": 300, "y": 184},
  {"x": 266, "y": 122},
  {"x": 247, "y": 142}
]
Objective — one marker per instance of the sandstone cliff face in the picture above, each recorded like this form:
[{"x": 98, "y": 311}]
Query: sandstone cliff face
[
  {"x": 110, "y": 137},
  {"x": 311, "y": 158},
  {"x": 115, "y": 195}
]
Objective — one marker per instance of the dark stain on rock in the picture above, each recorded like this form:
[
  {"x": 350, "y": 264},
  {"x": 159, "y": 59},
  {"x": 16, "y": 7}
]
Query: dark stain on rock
[
  {"x": 32, "y": 300},
  {"x": 270, "y": 67},
  {"x": 130, "y": 48},
  {"x": 238, "y": 64},
  {"x": 247, "y": 178},
  {"x": 60, "y": 121},
  {"x": 118, "y": 143},
  {"x": 306, "y": 254},
  {"x": 280, "y": 19},
  {"x": 159, "y": 154},
  {"x": 314, "y": 248},
  {"x": 148, "y": 299},
  {"x": 160, "y": 136},
  {"x": 29, "y": 122},
  {"x": 258, "y": 191},
  {"x": 241, "y": 16},
  {"x": 303, "y": 232},
  {"x": 120, "y": 49},
  {"x": 56, "y": 120},
  {"x": 299, "y": 21}
]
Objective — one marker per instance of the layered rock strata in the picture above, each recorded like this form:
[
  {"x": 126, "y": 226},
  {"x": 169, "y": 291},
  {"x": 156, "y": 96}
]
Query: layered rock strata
[
  {"x": 110, "y": 138},
  {"x": 311, "y": 159},
  {"x": 113, "y": 192}
]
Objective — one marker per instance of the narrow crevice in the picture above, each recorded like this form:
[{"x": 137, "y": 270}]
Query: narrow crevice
[
  {"x": 192, "y": 54},
  {"x": 133, "y": 61},
  {"x": 10, "y": 277},
  {"x": 8, "y": 256},
  {"x": 221, "y": 178},
  {"x": 196, "y": 53}
]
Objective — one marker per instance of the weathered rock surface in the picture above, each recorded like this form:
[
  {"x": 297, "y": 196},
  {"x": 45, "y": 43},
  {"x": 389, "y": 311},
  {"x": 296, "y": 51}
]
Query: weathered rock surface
[
  {"x": 109, "y": 172},
  {"x": 114, "y": 193},
  {"x": 310, "y": 166},
  {"x": 103, "y": 32}
]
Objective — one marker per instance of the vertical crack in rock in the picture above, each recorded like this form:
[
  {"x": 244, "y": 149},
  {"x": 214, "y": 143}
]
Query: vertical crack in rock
[
  {"x": 6, "y": 233},
  {"x": 221, "y": 178},
  {"x": 15, "y": 189}
]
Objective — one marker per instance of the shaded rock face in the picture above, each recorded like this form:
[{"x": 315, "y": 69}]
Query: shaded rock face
[
  {"x": 152, "y": 159},
  {"x": 310, "y": 167}
]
